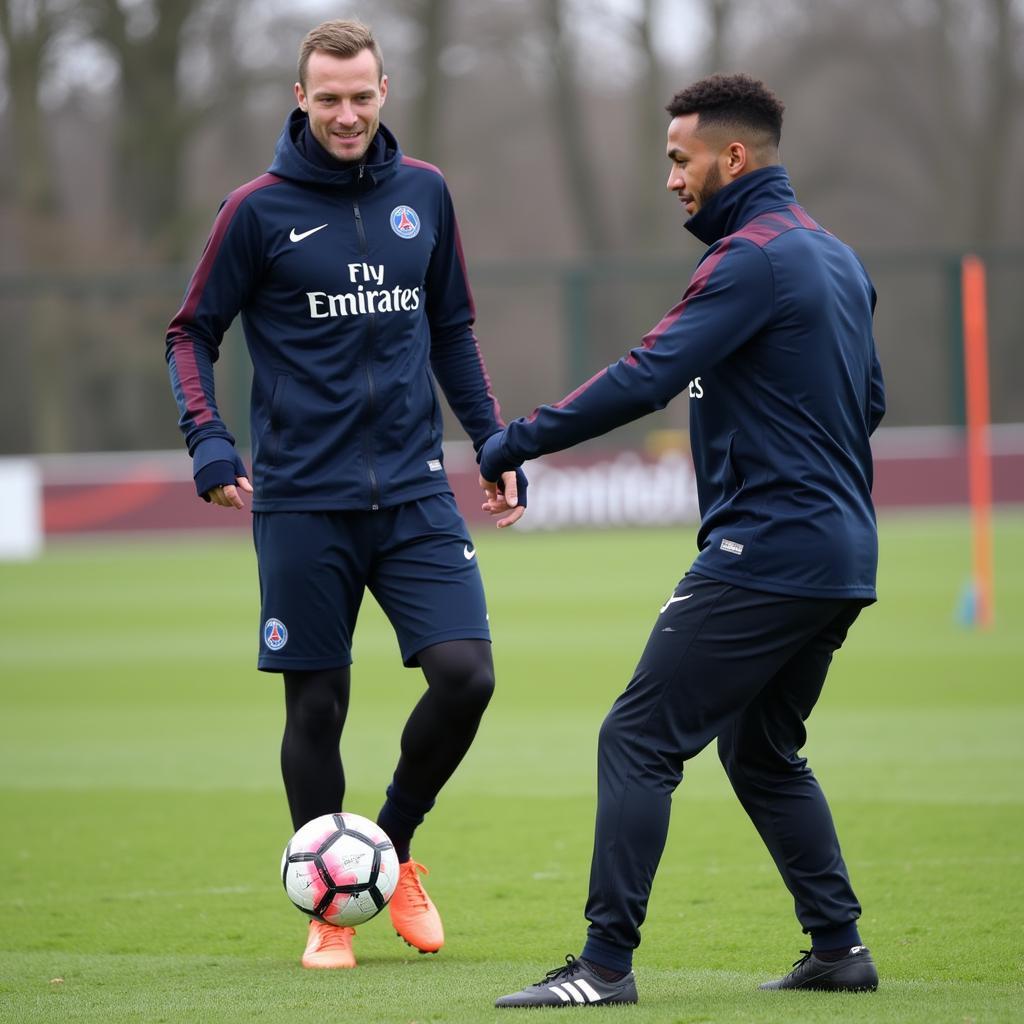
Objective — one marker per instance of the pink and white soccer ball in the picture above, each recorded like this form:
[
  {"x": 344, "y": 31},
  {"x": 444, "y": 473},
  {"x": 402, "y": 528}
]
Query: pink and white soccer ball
[{"x": 340, "y": 868}]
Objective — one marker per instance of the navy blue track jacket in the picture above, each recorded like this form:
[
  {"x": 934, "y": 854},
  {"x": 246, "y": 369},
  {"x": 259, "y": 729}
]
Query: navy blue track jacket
[
  {"x": 773, "y": 342},
  {"x": 352, "y": 288}
]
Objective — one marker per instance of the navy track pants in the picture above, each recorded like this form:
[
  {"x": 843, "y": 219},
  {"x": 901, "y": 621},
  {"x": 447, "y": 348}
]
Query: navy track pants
[{"x": 745, "y": 667}]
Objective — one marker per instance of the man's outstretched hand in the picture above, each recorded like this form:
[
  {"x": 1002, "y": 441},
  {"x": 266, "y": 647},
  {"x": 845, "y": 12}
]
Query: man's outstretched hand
[
  {"x": 505, "y": 498},
  {"x": 228, "y": 496},
  {"x": 504, "y": 485}
]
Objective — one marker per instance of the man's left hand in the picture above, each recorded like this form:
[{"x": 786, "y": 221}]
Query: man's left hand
[
  {"x": 504, "y": 487},
  {"x": 505, "y": 498}
]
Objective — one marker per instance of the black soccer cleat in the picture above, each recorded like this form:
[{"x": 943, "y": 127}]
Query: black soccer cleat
[
  {"x": 575, "y": 984},
  {"x": 856, "y": 972}
]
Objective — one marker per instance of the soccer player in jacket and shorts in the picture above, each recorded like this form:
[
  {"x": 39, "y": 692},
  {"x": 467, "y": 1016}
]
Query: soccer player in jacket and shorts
[
  {"x": 773, "y": 341},
  {"x": 345, "y": 264}
]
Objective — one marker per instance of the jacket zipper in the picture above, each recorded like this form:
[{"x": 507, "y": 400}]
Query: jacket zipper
[{"x": 371, "y": 390}]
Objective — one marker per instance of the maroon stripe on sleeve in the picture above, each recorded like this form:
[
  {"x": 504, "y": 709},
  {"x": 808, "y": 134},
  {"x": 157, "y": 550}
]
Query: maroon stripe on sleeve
[
  {"x": 762, "y": 230},
  {"x": 469, "y": 297},
  {"x": 183, "y": 344},
  {"x": 462, "y": 264},
  {"x": 196, "y": 403},
  {"x": 801, "y": 215},
  {"x": 213, "y": 243},
  {"x": 697, "y": 284},
  {"x": 571, "y": 396},
  {"x": 409, "y": 161},
  {"x": 779, "y": 220},
  {"x": 495, "y": 407},
  {"x": 760, "y": 233}
]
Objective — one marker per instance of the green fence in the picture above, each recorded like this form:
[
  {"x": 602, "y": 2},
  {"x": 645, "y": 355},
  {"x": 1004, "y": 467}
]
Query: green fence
[{"x": 84, "y": 369}]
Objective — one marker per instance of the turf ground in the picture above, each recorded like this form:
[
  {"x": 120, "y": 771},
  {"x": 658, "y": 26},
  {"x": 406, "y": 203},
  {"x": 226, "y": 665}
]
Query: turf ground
[{"x": 143, "y": 818}]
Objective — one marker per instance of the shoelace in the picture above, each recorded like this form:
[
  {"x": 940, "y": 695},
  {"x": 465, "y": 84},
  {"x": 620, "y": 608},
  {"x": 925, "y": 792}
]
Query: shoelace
[
  {"x": 572, "y": 965},
  {"x": 412, "y": 886},
  {"x": 806, "y": 956},
  {"x": 332, "y": 937}
]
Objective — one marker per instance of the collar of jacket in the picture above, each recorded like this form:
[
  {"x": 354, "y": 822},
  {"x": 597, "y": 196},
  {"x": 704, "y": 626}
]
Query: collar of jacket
[
  {"x": 382, "y": 159},
  {"x": 740, "y": 201}
]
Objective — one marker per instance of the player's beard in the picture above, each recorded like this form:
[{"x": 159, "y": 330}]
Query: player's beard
[{"x": 711, "y": 187}]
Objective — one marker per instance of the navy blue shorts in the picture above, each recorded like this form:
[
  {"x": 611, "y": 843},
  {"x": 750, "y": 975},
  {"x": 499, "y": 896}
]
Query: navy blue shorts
[{"x": 417, "y": 559}]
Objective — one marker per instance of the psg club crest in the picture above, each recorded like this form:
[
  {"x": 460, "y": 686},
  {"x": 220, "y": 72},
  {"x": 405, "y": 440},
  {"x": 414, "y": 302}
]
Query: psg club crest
[
  {"x": 405, "y": 222},
  {"x": 275, "y": 635}
]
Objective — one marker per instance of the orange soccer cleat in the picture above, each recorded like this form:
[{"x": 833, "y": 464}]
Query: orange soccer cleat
[
  {"x": 329, "y": 946},
  {"x": 413, "y": 912}
]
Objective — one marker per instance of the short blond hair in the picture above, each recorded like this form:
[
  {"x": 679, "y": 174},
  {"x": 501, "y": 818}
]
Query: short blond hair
[{"x": 342, "y": 38}]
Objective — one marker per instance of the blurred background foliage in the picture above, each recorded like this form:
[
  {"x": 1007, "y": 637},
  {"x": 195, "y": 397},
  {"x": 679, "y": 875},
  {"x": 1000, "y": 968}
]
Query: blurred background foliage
[{"x": 123, "y": 123}]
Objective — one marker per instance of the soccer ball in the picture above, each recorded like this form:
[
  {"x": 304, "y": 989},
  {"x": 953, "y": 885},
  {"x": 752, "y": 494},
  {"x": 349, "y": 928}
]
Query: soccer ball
[{"x": 340, "y": 868}]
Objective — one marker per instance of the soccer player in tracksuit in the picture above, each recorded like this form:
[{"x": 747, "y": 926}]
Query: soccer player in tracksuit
[
  {"x": 773, "y": 342},
  {"x": 345, "y": 264}
]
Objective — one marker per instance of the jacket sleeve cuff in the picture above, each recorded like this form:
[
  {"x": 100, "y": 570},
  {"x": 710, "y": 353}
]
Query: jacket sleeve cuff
[
  {"x": 213, "y": 449},
  {"x": 493, "y": 459},
  {"x": 214, "y": 464},
  {"x": 214, "y": 474},
  {"x": 479, "y": 442}
]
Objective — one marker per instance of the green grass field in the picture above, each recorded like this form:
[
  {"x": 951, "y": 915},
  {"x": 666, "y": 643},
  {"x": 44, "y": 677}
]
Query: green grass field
[{"x": 143, "y": 817}]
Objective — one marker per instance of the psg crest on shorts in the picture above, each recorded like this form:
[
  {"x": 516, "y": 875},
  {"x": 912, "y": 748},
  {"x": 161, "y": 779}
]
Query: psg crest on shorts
[
  {"x": 405, "y": 222},
  {"x": 275, "y": 635}
]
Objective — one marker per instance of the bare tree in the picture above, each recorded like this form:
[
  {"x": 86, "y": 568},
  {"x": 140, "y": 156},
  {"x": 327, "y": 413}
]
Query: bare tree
[
  {"x": 973, "y": 89},
  {"x": 1002, "y": 91},
  {"x": 432, "y": 19},
  {"x": 652, "y": 94},
  {"x": 26, "y": 30},
  {"x": 581, "y": 171},
  {"x": 719, "y": 13},
  {"x": 155, "y": 120},
  {"x": 34, "y": 326}
]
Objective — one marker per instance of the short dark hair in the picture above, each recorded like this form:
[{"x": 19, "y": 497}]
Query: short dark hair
[
  {"x": 731, "y": 100},
  {"x": 340, "y": 39}
]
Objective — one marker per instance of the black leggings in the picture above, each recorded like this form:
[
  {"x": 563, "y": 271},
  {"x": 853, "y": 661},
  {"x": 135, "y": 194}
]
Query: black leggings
[{"x": 460, "y": 681}]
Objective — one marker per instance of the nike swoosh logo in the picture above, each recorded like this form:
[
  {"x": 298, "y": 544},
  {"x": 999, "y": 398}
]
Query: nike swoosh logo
[
  {"x": 297, "y": 236},
  {"x": 468, "y": 553},
  {"x": 672, "y": 600}
]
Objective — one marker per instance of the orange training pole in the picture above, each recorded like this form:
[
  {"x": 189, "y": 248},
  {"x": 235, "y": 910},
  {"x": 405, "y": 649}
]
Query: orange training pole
[{"x": 979, "y": 458}]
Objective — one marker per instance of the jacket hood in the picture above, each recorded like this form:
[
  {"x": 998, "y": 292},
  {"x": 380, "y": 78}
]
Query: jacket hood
[
  {"x": 740, "y": 201},
  {"x": 290, "y": 160}
]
